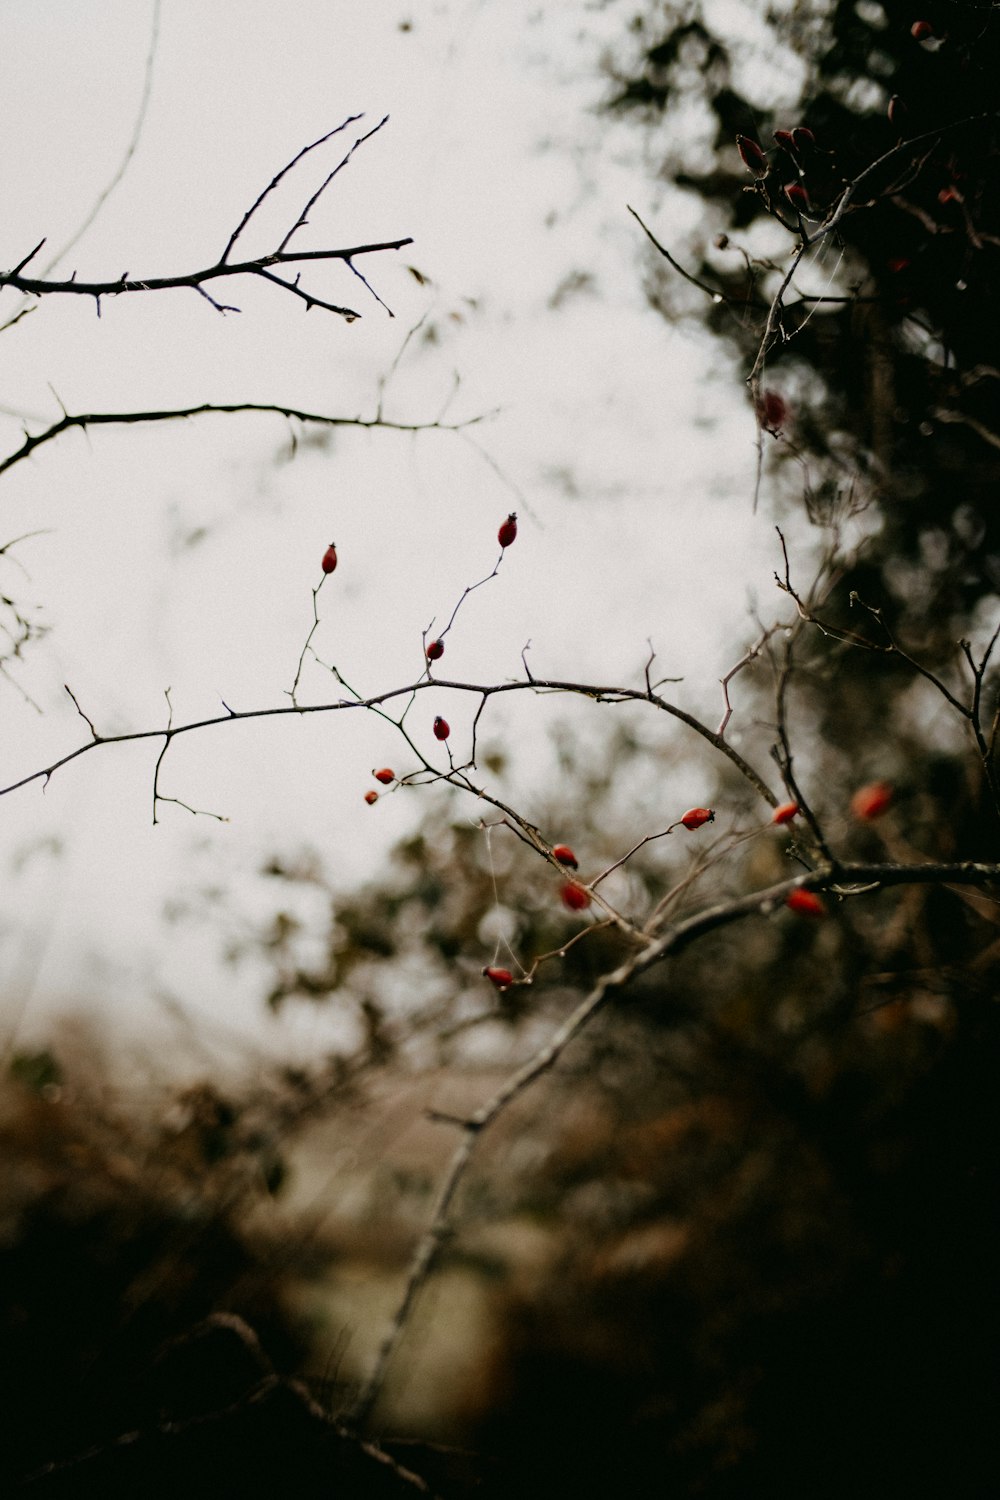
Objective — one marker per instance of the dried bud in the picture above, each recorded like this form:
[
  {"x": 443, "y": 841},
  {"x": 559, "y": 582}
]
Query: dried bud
[
  {"x": 752, "y": 156},
  {"x": 721, "y": 242}
]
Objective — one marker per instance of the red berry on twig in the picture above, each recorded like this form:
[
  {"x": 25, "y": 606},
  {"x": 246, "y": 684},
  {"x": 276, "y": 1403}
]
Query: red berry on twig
[
  {"x": 797, "y": 196},
  {"x": 752, "y": 156},
  {"x": 434, "y": 650},
  {"x": 696, "y": 816},
  {"x": 772, "y": 411},
  {"x": 897, "y": 112},
  {"x": 785, "y": 813},
  {"x": 804, "y": 140},
  {"x": 330, "y": 559},
  {"x": 500, "y": 977},
  {"x": 442, "y": 728},
  {"x": 371, "y": 798},
  {"x": 806, "y": 903},
  {"x": 385, "y": 775},
  {"x": 785, "y": 140},
  {"x": 575, "y": 896},
  {"x": 871, "y": 801},
  {"x": 564, "y": 854},
  {"x": 921, "y": 30},
  {"x": 508, "y": 531}
]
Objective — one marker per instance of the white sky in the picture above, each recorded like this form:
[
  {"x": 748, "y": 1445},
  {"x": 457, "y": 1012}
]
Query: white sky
[{"x": 183, "y": 557}]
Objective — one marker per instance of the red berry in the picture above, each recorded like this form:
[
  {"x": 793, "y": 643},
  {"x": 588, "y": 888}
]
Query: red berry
[
  {"x": 508, "y": 531},
  {"x": 385, "y": 775},
  {"x": 564, "y": 854},
  {"x": 897, "y": 112},
  {"x": 897, "y": 264},
  {"x": 752, "y": 156},
  {"x": 371, "y": 798},
  {"x": 785, "y": 813},
  {"x": 921, "y": 30},
  {"x": 574, "y": 896},
  {"x": 696, "y": 816},
  {"x": 772, "y": 411},
  {"x": 434, "y": 650},
  {"x": 806, "y": 903},
  {"x": 804, "y": 140},
  {"x": 330, "y": 559},
  {"x": 950, "y": 194},
  {"x": 500, "y": 977},
  {"x": 797, "y": 196},
  {"x": 785, "y": 139},
  {"x": 442, "y": 728},
  {"x": 871, "y": 801}
]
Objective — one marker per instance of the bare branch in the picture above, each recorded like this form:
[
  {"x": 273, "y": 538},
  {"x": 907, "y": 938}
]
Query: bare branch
[
  {"x": 316, "y": 419},
  {"x": 845, "y": 882},
  {"x": 194, "y": 280},
  {"x": 351, "y": 119}
]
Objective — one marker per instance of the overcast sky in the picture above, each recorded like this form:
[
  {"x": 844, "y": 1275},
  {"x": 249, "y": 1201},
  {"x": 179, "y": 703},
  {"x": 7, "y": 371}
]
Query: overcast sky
[{"x": 183, "y": 557}]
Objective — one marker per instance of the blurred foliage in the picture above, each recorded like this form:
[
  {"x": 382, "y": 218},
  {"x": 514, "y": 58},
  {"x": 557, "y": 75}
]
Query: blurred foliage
[
  {"x": 903, "y": 415},
  {"x": 124, "y": 1223}
]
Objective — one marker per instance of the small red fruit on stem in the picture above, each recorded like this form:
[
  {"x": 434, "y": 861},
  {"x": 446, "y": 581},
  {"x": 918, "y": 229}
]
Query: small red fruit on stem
[
  {"x": 371, "y": 798},
  {"x": 575, "y": 896},
  {"x": 508, "y": 531},
  {"x": 500, "y": 977},
  {"x": 871, "y": 801},
  {"x": 806, "y": 903},
  {"x": 772, "y": 411},
  {"x": 564, "y": 854},
  {"x": 696, "y": 816},
  {"x": 330, "y": 559},
  {"x": 752, "y": 156},
  {"x": 442, "y": 728},
  {"x": 785, "y": 813},
  {"x": 921, "y": 30},
  {"x": 785, "y": 140},
  {"x": 434, "y": 650},
  {"x": 385, "y": 775},
  {"x": 797, "y": 196},
  {"x": 804, "y": 140}
]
